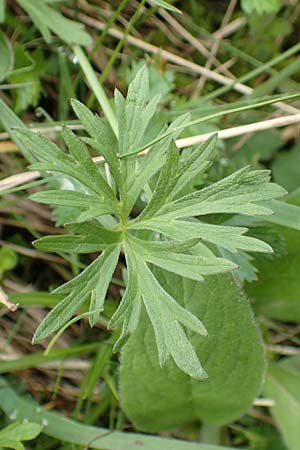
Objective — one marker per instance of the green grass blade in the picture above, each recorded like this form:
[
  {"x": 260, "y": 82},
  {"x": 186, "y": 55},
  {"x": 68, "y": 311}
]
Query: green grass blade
[
  {"x": 252, "y": 104},
  {"x": 61, "y": 428},
  {"x": 96, "y": 87}
]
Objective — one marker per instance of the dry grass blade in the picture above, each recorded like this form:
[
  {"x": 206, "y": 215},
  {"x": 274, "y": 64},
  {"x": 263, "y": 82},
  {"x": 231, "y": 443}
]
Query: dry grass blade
[
  {"x": 241, "y": 130},
  {"x": 6, "y": 302},
  {"x": 216, "y": 45},
  {"x": 18, "y": 179},
  {"x": 173, "y": 58}
]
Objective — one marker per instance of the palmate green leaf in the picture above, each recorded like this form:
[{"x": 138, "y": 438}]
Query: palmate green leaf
[
  {"x": 67, "y": 198},
  {"x": 70, "y": 244},
  {"x": 104, "y": 140},
  {"x": 93, "y": 206},
  {"x": 103, "y": 222},
  {"x": 165, "y": 184},
  {"x": 151, "y": 164},
  {"x": 134, "y": 112},
  {"x": 93, "y": 238},
  {"x": 128, "y": 313},
  {"x": 166, "y": 315},
  {"x": 230, "y": 238},
  {"x": 240, "y": 193},
  {"x": 82, "y": 169},
  {"x": 48, "y": 19},
  {"x": 91, "y": 282},
  {"x": 196, "y": 163},
  {"x": 167, "y": 318},
  {"x": 189, "y": 266},
  {"x": 158, "y": 399}
]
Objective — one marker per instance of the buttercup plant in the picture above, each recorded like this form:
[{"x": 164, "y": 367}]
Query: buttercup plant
[{"x": 182, "y": 242}]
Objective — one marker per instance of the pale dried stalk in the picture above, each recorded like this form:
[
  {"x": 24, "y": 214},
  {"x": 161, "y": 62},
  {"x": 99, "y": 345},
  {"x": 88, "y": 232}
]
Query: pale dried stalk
[
  {"x": 215, "y": 47},
  {"x": 196, "y": 43},
  {"x": 6, "y": 302},
  {"x": 229, "y": 29},
  {"x": 18, "y": 179},
  {"x": 46, "y": 129},
  {"x": 287, "y": 350},
  {"x": 150, "y": 48},
  {"x": 241, "y": 130},
  {"x": 8, "y": 146},
  {"x": 264, "y": 402}
]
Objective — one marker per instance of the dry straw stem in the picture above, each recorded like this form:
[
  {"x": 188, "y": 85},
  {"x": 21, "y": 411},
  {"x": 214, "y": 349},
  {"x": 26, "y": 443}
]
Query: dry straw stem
[
  {"x": 266, "y": 402},
  {"x": 283, "y": 350},
  {"x": 25, "y": 177},
  {"x": 241, "y": 130},
  {"x": 215, "y": 46},
  {"x": 196, "y": 43},
  {"x": 230, "y": 28},
  {"x": 8, "y": 146},
  {"x": 171, "y": 57},
  {"x": 18, "y": 179},
  {"x": 6, "y": 302},
  {"x": 44, "y": 130}
]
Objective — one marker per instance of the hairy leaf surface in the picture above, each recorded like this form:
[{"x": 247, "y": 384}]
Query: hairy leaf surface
[
  {"x": 276, "y": 293},
  {"x": 158, "y": 399}
]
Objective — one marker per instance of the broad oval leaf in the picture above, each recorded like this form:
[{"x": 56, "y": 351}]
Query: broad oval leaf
[{"x": 157, "y": 399}]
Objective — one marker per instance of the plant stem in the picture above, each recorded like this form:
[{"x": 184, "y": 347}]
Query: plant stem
[
  {"x": 121, "y": 42},
  {"x": 109, "y": 24},
  {"x": 210, "y": 433},
  {"x": 96, "y": 87}
]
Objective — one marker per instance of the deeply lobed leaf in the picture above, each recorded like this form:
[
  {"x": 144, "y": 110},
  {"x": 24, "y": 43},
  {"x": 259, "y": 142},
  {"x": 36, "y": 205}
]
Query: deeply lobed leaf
[{"x": 105, "y": 196}]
